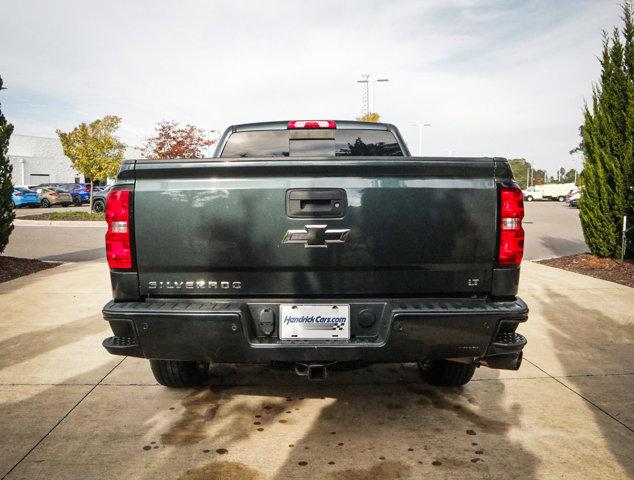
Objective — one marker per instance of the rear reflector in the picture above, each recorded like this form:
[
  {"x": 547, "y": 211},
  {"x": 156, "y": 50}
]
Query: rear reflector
[
  {"x": 511, "y": 249},
  {"x": 294, "y": 124},
  {"x": 118, "y": 250}
]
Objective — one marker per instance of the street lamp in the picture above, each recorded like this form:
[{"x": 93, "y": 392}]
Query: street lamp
[
  {"x": 420, "y": 135},
  {"x": 369, "y": 91}
]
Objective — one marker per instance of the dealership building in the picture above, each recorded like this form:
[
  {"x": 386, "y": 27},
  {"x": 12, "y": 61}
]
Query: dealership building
[{"x": 38, "y": 160}]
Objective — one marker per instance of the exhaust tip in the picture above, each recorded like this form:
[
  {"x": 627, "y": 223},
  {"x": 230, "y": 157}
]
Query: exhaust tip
[{"x": 509, "y": 361}]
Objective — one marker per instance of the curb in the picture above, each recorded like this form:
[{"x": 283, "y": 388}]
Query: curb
[{"x": 52, "y": 223}]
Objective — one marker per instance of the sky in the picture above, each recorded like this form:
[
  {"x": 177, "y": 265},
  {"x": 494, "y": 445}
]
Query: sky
[{"x": 493, "y": 78}]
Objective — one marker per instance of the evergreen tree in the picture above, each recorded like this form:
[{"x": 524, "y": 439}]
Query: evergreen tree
[
  {"x": 6, "y": 186},
  {"x": 607, "y": 145}
]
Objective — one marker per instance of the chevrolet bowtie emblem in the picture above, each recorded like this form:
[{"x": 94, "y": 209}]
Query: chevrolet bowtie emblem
[{"x": 317, "y": 236}]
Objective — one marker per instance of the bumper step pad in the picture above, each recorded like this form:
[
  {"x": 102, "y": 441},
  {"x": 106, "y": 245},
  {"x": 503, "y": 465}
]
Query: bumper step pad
[
  {"x": 121, "y": 345},
  {"x": 508, "y": 342}
]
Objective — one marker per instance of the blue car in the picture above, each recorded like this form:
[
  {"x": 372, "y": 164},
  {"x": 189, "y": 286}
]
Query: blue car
[
  {"x": 23, "y": 197},
  {"x": 80, "y": 192}
]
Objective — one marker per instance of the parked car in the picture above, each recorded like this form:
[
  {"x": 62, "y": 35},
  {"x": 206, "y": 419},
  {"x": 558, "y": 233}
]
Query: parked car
[
  {"x": 53, "y": 196},
  {"x": 80, "y": 192},
  {"x": 549, "y": 191},
  {"x": 23, "y": 197},
  {"x": 574, "y": 194},
  {"x": 316, "y": 259},
  {"x": 99, "y": 199}
]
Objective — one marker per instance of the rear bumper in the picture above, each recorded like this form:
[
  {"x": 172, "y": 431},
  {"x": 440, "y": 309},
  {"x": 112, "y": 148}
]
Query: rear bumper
[{"x": 231, "y": 332}]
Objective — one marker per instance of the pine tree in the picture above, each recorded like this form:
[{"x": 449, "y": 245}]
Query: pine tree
[
  {"x": 607, "y": 145},
  {"x": 628, "y": 34},
  {"x": 6, "y": 186}
]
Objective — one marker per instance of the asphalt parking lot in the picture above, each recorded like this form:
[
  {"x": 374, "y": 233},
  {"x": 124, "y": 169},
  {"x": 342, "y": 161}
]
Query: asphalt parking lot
[
  {"x": 552, "y": 230},
  {"x": 71, "y": 411}
]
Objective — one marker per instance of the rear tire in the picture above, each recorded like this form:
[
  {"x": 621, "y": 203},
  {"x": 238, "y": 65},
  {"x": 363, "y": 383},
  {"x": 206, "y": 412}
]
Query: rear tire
[
  {"x": 445, "y": 373},
  {"x": 177, "y": 374},
  {"x": 529, "y": 199},
  {"x": 561, "y": 198},
  {"x": 98, "y": 206}
]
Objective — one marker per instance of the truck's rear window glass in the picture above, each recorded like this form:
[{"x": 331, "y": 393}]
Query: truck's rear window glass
[{"x": 277, "y": 143}]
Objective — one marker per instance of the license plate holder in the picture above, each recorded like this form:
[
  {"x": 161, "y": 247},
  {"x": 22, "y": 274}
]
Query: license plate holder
[{"x": 314, "y": 322}]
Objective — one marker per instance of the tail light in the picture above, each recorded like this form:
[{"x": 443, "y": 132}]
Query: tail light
[
  {"x": 86, "y": 189},
  {"x": 53, "y": 194},
  {"x": 118, "y": 249},
  {"x": 18, "y": 194},
  {"x": 295, "y": 124},
  {"x": 511, "y": 249}
]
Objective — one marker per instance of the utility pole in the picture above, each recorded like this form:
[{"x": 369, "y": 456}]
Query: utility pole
[
  {"x": 368, "y": 93},
  {"x": 528, "y": 176},
  {"x": 420, "y": 135}
]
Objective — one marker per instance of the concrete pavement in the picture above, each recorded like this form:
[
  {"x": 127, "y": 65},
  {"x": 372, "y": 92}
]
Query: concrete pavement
[{"x": 69, "y": 410}]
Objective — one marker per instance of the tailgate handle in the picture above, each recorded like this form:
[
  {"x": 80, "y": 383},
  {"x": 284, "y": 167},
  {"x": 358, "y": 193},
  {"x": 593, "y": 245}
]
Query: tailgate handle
[{"x": 316, "y": 202}]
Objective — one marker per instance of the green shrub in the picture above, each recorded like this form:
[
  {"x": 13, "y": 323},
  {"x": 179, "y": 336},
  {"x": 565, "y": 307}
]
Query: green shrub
[{"x": 6, "y": 186}]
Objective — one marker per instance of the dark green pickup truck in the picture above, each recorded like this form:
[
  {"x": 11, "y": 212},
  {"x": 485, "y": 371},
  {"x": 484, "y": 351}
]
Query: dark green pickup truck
[{"x": 315, "y": 244}]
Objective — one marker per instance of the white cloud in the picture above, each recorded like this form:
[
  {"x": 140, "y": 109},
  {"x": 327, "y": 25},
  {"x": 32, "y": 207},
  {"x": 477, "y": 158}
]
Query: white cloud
[{"x": 493, "y": 78}]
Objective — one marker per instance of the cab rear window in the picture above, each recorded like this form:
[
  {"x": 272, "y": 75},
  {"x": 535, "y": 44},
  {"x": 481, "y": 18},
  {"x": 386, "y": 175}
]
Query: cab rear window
[{"x": 346, "y": 143}]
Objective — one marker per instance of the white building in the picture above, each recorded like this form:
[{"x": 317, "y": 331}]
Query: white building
[{"x": 38, "y": 160}]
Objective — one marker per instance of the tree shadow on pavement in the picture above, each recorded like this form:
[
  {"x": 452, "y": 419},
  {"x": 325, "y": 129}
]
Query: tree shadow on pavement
[
  {"x": 27, "y": 345},
  {"x": 351, "y": 429},
  {"x": 410, "y": 430},
  {"x": 78, "y": 255},
  {"x": 589, "y": 344},
  {"x": 562, "y": 246}
]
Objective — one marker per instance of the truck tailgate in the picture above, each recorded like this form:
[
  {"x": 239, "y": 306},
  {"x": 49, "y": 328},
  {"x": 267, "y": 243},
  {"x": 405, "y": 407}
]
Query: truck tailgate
[{"x": 406, "y": 226}]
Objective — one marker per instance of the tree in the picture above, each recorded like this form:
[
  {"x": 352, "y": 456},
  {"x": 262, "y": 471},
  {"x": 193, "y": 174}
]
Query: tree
[
  {"x": 369, "y": 117},
  {"x": 538, "y": 177},
  {"x": 172, "y": 141},
  {"x": 93, "y": 149},
  {"x": 571, "y": 176},
  {"x": 521, "y": 169},
  {"x": 607, "y": 143},
  {"x": 6, "y": 185}
]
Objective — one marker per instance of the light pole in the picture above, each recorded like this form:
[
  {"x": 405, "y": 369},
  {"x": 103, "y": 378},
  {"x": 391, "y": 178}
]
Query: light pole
[
  {"x": 420, "y": 135},
  {"x": 368, "y": 97}
]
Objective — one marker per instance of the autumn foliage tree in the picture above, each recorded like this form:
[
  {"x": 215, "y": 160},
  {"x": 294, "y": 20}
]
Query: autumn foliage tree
[
  {"x": 94, "y": 148},
  {"x": 172, "y": 141},
  {"x": 369, "y": 117}
]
